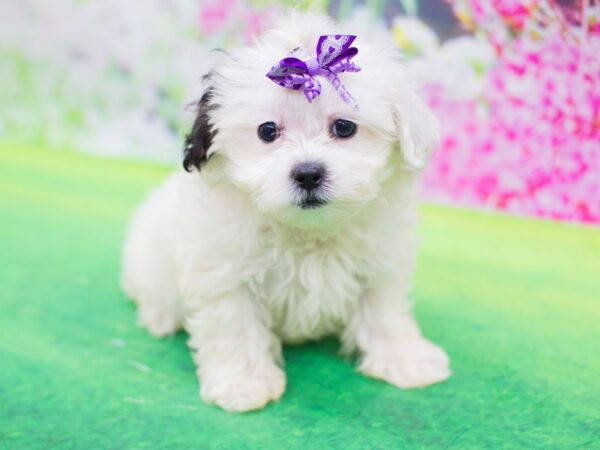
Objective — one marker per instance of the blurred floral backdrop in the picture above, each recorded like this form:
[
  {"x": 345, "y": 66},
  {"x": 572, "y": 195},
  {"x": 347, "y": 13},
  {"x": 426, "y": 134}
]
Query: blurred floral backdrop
[{"x": 515, "y": 83}]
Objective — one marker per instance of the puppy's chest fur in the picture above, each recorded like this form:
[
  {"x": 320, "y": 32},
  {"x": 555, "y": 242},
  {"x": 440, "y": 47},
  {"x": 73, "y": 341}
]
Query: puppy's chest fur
[{"x": 310, "y": 288}]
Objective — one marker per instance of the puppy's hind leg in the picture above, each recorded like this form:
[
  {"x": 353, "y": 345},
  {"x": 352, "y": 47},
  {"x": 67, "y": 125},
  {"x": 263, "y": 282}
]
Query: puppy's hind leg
[
  {"x": 159, "y": 314},
  {"x": 148, "y": 278}
]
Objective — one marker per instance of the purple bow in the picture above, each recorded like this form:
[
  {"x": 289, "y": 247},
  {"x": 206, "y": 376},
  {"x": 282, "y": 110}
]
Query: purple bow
[{"x": 334, "y": 56}]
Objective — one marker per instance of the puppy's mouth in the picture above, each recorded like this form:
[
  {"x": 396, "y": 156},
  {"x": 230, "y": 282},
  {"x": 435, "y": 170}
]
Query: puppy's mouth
[{"x": 311, "y": 202}]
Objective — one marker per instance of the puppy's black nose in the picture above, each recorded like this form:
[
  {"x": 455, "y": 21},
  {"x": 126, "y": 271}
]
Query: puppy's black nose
[{"x": 308, "y": 176}]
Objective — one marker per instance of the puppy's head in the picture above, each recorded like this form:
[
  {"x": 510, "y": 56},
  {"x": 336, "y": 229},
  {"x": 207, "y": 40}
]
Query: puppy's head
[{"x": 309, "y": 165}]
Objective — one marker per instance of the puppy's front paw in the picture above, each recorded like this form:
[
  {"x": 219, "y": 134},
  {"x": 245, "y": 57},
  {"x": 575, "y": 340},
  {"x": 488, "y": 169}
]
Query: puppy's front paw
[
  {"x": 242, "y": 391},
  {"x": 410, "y": 364}
]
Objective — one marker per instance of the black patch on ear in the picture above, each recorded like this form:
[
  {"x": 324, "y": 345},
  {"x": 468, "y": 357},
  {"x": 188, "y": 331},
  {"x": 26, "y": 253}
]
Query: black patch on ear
[{"x": 199, "y": 140}]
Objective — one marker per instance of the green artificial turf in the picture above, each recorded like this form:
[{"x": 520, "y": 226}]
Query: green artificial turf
[{"x": 515, "y": 303}]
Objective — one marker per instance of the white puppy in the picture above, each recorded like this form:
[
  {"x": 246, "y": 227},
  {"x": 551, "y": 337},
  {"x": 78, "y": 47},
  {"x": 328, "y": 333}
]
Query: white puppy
[{"x": 295, "y": 221}]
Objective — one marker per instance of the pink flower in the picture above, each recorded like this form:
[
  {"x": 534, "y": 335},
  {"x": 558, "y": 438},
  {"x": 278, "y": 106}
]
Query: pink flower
[
  {"x": 235, "y": 19},
  {"x": 514, "y": 12},
  {"x": 536, "y": 150},
  {"x": 214, "y": 15},
  {"x": 257, "y": 20}
]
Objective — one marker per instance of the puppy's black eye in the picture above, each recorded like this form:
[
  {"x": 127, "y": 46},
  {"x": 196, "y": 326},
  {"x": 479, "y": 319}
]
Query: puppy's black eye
[
  {"x": 268, "y": 131},
  {"x": 343, "y": 128}
]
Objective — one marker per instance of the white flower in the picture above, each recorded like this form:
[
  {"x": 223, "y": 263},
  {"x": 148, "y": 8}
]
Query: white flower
[{"x": 414, "y": 37}]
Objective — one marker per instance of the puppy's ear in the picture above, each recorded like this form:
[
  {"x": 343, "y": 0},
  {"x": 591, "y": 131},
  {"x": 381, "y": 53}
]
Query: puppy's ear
[
  {"x": 417, "y": 128},
  {"x": 199, "y": 140}
]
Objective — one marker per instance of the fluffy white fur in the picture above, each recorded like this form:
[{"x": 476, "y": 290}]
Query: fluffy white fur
[{"x": 226, "y": 252}]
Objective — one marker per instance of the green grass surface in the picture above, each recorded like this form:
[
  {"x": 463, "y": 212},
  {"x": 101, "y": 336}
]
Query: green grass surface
[{"x": 515, "y": 302}]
